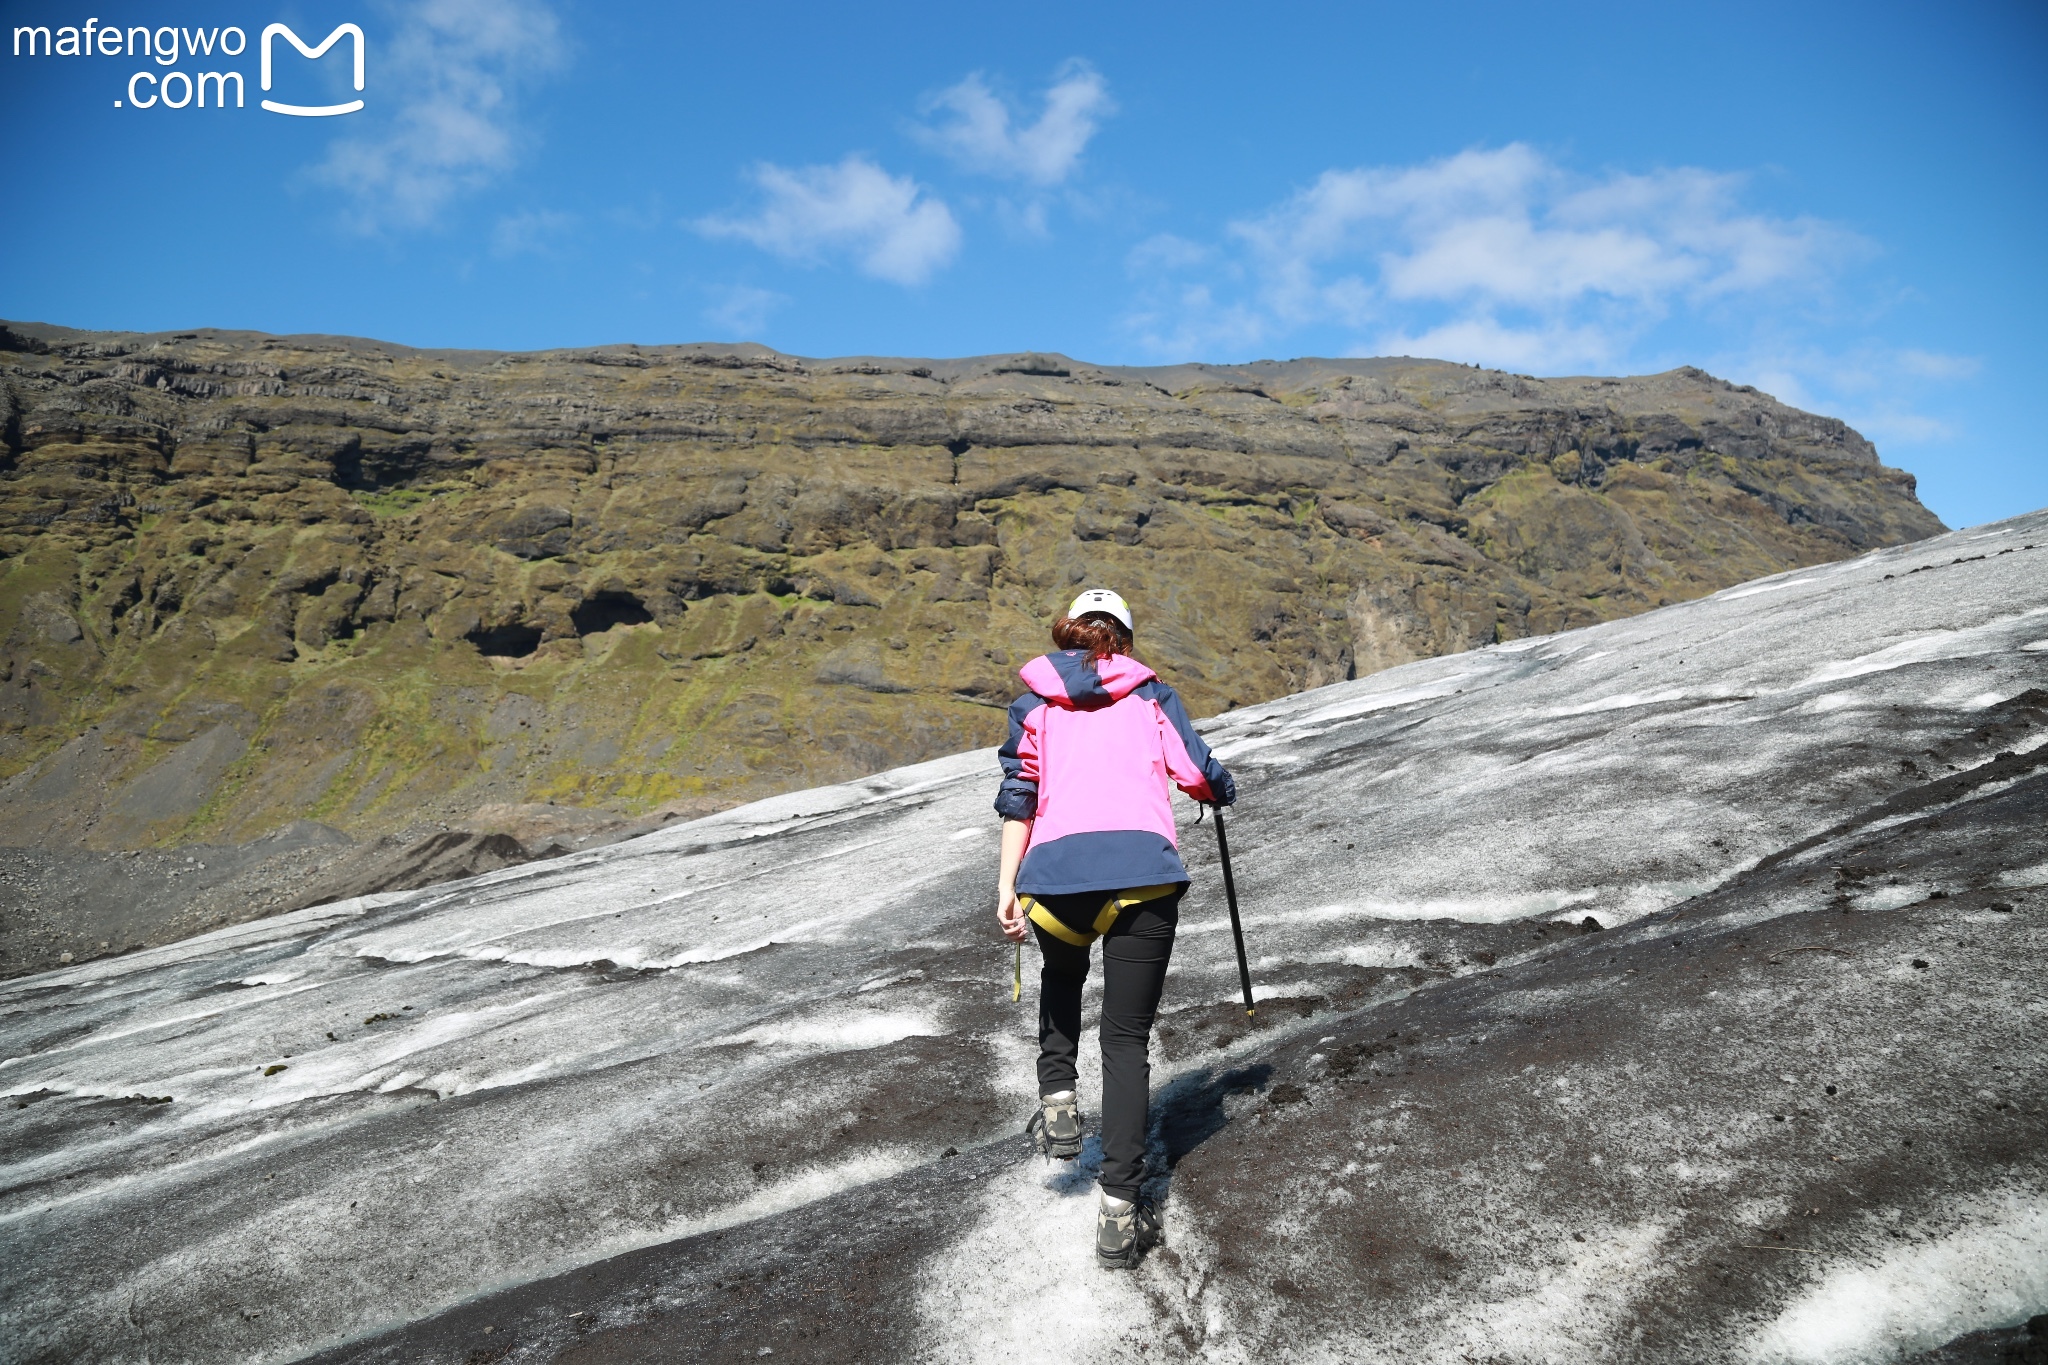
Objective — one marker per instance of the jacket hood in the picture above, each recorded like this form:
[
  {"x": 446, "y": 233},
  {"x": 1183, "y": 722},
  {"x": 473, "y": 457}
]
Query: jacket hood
[{"x": 1066, "y": 678}]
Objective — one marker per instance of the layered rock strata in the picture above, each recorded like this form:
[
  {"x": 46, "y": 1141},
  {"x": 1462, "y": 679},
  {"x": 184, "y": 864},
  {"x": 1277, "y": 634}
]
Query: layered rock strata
[{"x": 249, "y": 580}]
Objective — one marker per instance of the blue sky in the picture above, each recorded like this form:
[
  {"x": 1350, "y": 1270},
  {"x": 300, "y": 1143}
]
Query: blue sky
[{"x": 1843, "y": 204}]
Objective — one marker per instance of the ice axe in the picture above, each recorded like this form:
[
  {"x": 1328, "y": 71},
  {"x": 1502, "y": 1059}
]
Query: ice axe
[{"x": 1244, "y": 971}]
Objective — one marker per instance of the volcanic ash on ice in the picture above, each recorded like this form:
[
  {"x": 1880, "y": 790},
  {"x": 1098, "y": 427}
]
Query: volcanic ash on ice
[{"x": 1670, "y": 990}]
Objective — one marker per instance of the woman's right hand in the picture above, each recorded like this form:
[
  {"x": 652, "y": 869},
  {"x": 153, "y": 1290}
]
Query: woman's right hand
[
  {"x": 1011, "y": 915},
  {"x": 1016, "y": 834}
]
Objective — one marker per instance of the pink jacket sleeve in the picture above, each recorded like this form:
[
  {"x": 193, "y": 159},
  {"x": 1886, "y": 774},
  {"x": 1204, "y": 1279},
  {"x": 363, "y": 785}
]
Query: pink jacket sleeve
[
  {"x": 1181, "y": 766},
  {"x": 1027, "y": 746}
]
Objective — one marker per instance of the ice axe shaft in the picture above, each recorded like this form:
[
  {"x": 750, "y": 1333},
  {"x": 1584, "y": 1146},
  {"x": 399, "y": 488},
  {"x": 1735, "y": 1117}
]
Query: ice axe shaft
[{"x": 1244, "y": 971}]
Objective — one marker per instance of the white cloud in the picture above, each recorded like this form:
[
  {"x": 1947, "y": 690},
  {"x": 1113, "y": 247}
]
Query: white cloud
[
  {"x": 1881, "y": 391},
  {"x": 1500, "y": 256},
  {"x": 982, "y": 134},
  {"x": 1185, "y": 322},
  {"x": 1929, "y": 365},
  {"x": 1166, "y": 251},
  {"x": 1508, "y": 227},
  {"x": 891, "y": 226},
  {"x": 530, "y": 232},
  {"x": 1894, "y": 428},
  {"x": 450, "y": 69},
  {"x": 743, "y": 311},
  {"x": 1507, "y": 258},
  {"x": 1485, "y": 341}
]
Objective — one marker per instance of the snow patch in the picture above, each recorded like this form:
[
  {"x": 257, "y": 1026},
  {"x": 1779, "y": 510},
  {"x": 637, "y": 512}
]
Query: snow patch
[
  {"x": 1022, "y": 1284},
  {"x": 1933, "y": 645},
  {"x": 806, "y": 1187},
  {"x": 1880, "y": 898},
  {"x": 1473, "y": 910},
  {"x": 850, "y": 1032},
  {"x": 1626, "y": 904},
  {"x": 1361, "y": 706},
  {"x": 1571, "y": 1312},
  {"x": 1378, "y": 955},
  {"x": 1621, "y": 701},
  {"x": 1992, "y": 1273},
  {"x": 1310, "y": 725},
  {"x": 1758, "y": 589},
  {"x": 1283, "y": 990},
  {"x": 2025, "y": 876},
  {"x": 1690, "y": 1173}
]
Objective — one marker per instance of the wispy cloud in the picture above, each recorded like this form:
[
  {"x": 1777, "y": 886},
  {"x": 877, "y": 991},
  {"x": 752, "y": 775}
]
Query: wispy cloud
[
  {"x": 1164, "y": 251},
  {"x": 451, "y": 68},
  {"x": 1500, "y": 256},
  {"x": 742, "y": 310},
  {"x": 1552, "y": 347},
  {"x": 1930, "y": 365},
  {"x": 1880, "y": 390},
  {"x": 530, "y": 232},
  {"x": 890, "y": 226},
  {"x": 982, "y": 133}
]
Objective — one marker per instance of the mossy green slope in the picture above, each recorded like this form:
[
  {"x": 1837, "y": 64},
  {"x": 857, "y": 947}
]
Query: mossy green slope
[{"x": 249, "y": 579}]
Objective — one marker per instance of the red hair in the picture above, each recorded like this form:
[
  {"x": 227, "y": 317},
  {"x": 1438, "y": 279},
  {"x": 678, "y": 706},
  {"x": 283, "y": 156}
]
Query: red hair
[{"x": 1096, "y": 631}]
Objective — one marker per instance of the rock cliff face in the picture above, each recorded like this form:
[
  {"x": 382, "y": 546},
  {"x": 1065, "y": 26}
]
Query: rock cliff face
[{"x": 247, "y": 580}]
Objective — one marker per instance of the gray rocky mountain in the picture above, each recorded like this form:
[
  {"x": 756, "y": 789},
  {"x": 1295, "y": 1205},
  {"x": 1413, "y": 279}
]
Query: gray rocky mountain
[{"x": 1666, "y": 990}]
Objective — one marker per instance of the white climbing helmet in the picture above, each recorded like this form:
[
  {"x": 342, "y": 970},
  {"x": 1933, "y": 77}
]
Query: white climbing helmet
[{"x": 1104, "y": 601}]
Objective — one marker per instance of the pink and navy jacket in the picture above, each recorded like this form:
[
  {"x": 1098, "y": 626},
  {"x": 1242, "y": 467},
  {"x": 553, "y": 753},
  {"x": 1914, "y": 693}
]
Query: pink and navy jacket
[{"x": 1091, "y": 750}]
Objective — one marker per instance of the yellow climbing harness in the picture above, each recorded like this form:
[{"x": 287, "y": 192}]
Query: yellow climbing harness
[
  {"x": 1061, "y": 930},
  {"x": 1111, "y": 908}
]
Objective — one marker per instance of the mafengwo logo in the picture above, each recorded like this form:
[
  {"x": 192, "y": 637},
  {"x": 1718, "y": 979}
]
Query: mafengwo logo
[{"x": 181, "y": 47}]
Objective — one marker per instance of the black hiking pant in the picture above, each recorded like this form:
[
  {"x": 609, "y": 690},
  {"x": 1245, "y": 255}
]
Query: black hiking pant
[{"x": 1135, "y": 950}]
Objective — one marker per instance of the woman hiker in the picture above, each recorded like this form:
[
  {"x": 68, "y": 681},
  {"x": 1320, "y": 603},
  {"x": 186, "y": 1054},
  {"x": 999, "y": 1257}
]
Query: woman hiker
[{"x": 1089, "y": 852}]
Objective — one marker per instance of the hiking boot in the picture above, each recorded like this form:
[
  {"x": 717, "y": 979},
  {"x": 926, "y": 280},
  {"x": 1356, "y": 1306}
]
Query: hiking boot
[
  {"x": 1124, "y": 1232},
  {"x": 1056, "y": 1128}
]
